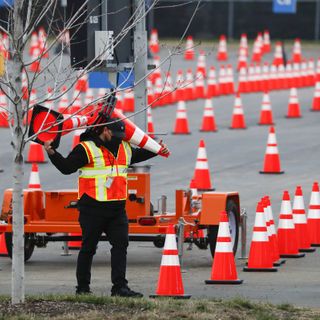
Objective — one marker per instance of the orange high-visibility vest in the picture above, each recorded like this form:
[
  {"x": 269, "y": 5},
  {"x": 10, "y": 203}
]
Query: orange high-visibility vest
[{"x": 104, "y": 178}]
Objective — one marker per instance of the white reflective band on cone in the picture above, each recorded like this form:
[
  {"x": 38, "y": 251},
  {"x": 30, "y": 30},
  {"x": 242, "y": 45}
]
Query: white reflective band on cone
[
  {"x": 260, "y": 220},
  {"x": 224, "y": 230},
  {"x": 170, "y": 242},
  {"x": 286, "y": 207},
  {"x": 170, "y": 260},
  {"x": 208, "y": 112},
  {"x": 202, "y": 154},
  {"x": 181, "y": 115},
  {"x": 315, "y": 198},
  {"x": 34, "y": 178},
  {"x": 299, "y": 218},
  {"x": 137, "y": 136},
  {"x": 298, "y": 203},
  {"x": 237, "y": 110},
  {"x": 260, "y": 236},
  {"x": 272, "y": 150},
  {"x": 294, "y": 100},
  {"x": 223, "y": 247},
  {"x": 202, "y": 165},
  {"x": 286, "y": 224},
  {"x": 152, "y": 146},
  {"x": 272, "y": 138},
  {"x": 266, "y": 107},
  {"x": 314, "y": 214}
]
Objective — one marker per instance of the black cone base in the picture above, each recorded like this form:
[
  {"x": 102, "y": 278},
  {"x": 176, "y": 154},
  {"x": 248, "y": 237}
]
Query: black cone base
[
  {"x": 184, "y": 296},
  {"x": 238, "y": 281},
  {"x": 270, "y": 172},
  {"x": 307, "y": 250},
  {"x": 279, "y": 263},
  {"x": 298, "y": 255},
  {"x": 247, "y": 269}
]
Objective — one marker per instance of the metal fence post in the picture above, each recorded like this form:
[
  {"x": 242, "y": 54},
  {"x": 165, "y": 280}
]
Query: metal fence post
[
  {"x": 317, "y": 20},
  {"x": 230, "y": 19}
]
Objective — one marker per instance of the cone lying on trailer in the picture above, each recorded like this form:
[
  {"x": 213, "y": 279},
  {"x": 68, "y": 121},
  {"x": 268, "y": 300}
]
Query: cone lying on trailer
[
  {"x": 223, "y": 266},
  {"x": 181, "y": 124},
  {"x": 35, "y": 153},
  {"x": 238, "y": 121},
  {"x": 260, "y": 255},
  {"x": 56, "y": 126},
  {"x": 34, "y": 180},
  {"x": 294, "y": 106},
  {"x": 266, "y": 117},
  {"x": 300, "y": 222},
  {"x": 287, "y": 240},
  {"x": 272, "y": 157},
  {"x": 201, "y": 175},
  {"x": 208, "y": 120},
  {"x": 170, "y": 281},
  {"x": 314, "y": 216}
]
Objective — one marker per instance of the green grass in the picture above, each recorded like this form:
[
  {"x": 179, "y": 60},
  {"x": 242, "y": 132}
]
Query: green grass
[{"x": 70, "y": 307}]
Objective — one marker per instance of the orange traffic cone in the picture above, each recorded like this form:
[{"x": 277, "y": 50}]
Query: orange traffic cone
[
  {"x": 222, "y": 54},
  {"x": 167, "y": 96},
  {"x": 34, "y": 43},
  {"x": 260, "y": 255},
  {"x": 170, "y": 280},
  {"x": 230, "y": 80},
  {"x": 182, "y": 124},
  {"x": 316, "y": 98},
  {"x": 201, "y": 175},
  {"x": 311, "y": 73},
  {"x": 208, "y": 120},
  {"x": 3, "y": 110},
  {"x": 128, "y": 100},
  {"x": 154, "y": 41},
  {"x": 34, "y": 180},
  {"x": 272, "y": 158},
  {"x": 35, "y": 65},
  {"x": 257, "y": 54},
  {"x": 243, "y": 83},
  {"x": 296, "y": 54},
  {"x": 189, "y": 93},
  {"x": 223, "y": 266},
  {"x": 278, "y": 56},
  {"x": 266, "y": 42},
  {"x": 201, "y": 65},
  {"x": 199, "y": 92},
  {"x": 189, "y": 52},
  {"x": 238, "y": 121},
  {"x": 3, "y": 246},
  {"x": 82, "y": 82},
  {"x": 266, "y": 117},
  {"x": 288, "y": 246},
  {"x": 35, "y": 153},
  {"x": 294, "y": 106},
  {"x": 300, "y": 222},
  {"x": 242, "y": 60},
  {"x": 222, "y": 79},
  {"x": 274, "y": 247},
  {"x": 314, "y": 216},
  {"x": 244, "y": 43},
  {"x": 150, "y": 126},
  {"x": 212, "y": 88}
]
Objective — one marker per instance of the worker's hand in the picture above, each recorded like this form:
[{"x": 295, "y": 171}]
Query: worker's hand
[
  {"x": 48, "y": 147},
  {"x": 164, "y": 150}
]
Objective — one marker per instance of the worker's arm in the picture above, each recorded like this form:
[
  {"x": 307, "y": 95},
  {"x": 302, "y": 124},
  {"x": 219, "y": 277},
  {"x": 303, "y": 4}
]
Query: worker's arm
[
  {"x": 139, "y": 155},
  {"x": 76, "y": 159}
]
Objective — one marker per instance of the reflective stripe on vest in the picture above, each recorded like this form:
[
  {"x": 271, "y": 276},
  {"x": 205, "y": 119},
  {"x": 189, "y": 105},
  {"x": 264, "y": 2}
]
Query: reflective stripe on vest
[{"x": 101, "y": 166}]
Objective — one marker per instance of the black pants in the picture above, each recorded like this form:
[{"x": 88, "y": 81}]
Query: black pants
[{"x": 114, "y": 224}]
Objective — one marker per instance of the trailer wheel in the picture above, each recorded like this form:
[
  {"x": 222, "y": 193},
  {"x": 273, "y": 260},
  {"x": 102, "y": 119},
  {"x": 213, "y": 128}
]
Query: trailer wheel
[
  {"x": 232, "y": 211},
  {"x": 28, "y": 245}
]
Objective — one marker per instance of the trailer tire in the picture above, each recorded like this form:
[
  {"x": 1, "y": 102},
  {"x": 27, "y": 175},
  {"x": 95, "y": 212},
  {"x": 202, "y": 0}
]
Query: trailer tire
[
  {"x": 233, "y": 214},
  {"x": 28, "y": 245}
]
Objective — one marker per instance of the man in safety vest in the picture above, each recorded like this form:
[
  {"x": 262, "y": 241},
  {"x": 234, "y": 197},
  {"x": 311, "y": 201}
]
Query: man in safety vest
[{"x": 102, "y": 158}]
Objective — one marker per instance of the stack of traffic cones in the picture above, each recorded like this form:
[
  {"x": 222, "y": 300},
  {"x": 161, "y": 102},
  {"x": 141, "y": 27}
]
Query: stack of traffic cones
[
  {"x": 222, "y": 80},
  {"x": 272, "y": 157},
  {"x": 222, "y": 54},
  {"x": 242, "y": 60},
  {"x": 242, "y": 83},
  {"x": 150, "y": 126},
  {"x": 238, "y": 121},
  {"x": 34, "y": 180},
  {"x": 265, "y": 77},
  {"x": 296, "y": 54},
  {"x": 167, "y": 97},
  {"x": 266, "y": 117},
  {"x": 229, "y": 80},
  {"x": 201, "y": 175},
  {"x": 128, "y": 100},
  {"x": 314, "y": 216},
  {"x": 181, "y": 124},
  {"x": 244, "y": 43},
  {"x": 300, "y": 222},
  {"x": 287, "y": 239},
  {"x": 154, "y": 41},
  {"x": 311, "y": 73},
  {"x": 208, "y": 120},
  {"x": 179, "y": 87},
  {"x": 257, "y": 54},
  {"x": 201, "y": 66},
  {"x": 278, "y": 56},
  {"x": 260, "y": 255},
  {"x": 293, "y": 106},
  {"x": 212, "y": 88},
  {"x": 223, "y": 266},
  {"x": 316, "y": 98},
  {"x": 170, "y": 281},
  {"x": 189, "y": 52},
  {"x": 35, "y": 154},
  {"x": 3, "y": 110},
  {"x": 266, "y": 42}
]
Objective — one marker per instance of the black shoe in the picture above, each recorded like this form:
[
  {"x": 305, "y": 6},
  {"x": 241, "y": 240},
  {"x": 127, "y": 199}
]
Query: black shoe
[
  {"x": 81, "y": 290},
  {"x": 125, "y": 292}
]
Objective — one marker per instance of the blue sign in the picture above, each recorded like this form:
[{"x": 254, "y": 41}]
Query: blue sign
[
  {"x": 284, "y": 6},
  {"x": 4, "y": 3},
  {"x": 125, "y": 79}
]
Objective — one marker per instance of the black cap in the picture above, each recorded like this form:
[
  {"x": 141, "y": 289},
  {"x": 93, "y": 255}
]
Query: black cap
[{"x": 117, "y": 127}]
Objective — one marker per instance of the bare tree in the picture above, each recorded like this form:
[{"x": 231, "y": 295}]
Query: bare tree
[{"x": 24, "y": 18}]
